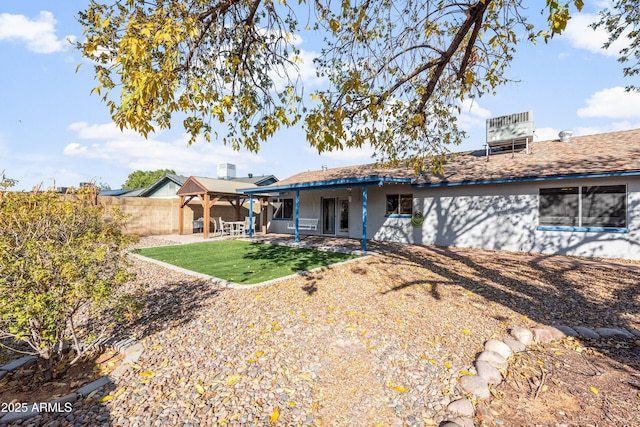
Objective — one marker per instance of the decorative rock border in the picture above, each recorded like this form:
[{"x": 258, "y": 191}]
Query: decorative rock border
[
  {"x": 495, "y": 358},
  {"x": 129, "y": 348}
]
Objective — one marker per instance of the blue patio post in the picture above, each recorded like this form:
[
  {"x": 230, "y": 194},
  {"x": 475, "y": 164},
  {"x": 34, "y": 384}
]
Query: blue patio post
[
  {"x": 297, "y": 215},
  {"x": 364, "y": 218},
  {"x": 250, "y": 215}
]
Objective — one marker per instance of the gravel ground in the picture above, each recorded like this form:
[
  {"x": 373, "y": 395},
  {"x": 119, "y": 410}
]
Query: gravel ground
[{"x": 380, "y": 341}]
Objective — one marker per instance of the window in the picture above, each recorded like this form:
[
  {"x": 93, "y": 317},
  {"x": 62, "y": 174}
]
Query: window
[
  {"x": 559, "y": 206},
  {"x": 401, "y": 204},
  {"x": 283, "y": 209},
  {"x": 604, "y": 206},
  {"x": 596, "y": 206}
]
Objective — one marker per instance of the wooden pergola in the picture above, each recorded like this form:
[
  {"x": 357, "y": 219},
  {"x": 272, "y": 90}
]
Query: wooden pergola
[{"x": 210, "y": 191}]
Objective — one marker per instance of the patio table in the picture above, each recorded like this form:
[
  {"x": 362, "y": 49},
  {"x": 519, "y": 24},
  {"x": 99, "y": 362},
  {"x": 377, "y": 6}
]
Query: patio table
[{"x": 237, "y": 227}]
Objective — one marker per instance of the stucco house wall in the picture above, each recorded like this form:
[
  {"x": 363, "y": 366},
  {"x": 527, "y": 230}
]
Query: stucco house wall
[{"x": 505, "y": 217}]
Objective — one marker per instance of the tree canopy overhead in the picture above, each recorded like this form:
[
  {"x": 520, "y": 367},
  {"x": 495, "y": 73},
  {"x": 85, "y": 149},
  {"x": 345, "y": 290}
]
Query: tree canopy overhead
[{"x": 395, "y": 71}]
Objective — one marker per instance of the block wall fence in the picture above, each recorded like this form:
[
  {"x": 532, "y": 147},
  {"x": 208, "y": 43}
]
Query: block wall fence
[{"x": 150, "y": 216}]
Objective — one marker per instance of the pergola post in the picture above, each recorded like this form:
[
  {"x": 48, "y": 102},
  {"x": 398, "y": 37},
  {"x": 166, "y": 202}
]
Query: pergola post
[
  {"x": 207, "y": 215},
  {"x": 181, "y": 216},
  {"x": 264, "y": 211}
]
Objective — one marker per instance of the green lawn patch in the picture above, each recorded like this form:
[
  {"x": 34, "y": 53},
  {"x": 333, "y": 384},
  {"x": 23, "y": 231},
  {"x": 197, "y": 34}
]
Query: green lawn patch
[{"x": 243, "y": 262}]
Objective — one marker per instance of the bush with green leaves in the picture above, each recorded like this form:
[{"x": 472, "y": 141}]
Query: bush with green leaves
[{"x": 63, "y": 273}]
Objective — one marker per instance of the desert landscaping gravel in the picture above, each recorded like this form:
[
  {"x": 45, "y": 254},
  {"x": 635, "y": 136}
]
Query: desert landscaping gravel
[{"x": 378, "y": 341}]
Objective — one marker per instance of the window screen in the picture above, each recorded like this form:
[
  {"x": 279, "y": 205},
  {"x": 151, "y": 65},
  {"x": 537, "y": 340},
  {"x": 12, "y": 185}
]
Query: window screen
[
  {"x": 559, "y": 206},
  {"x": 399, "y": 204},
  {"x": 406, "y": 204},
  {"x": 604, "y": 206},
  {"x": 392, "y": 204},
  {"x": 595, "y": 206},
  {"x": 283, "y": 209}
]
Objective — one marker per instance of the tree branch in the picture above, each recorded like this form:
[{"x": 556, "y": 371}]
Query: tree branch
[{"x": 476, "y": 14}]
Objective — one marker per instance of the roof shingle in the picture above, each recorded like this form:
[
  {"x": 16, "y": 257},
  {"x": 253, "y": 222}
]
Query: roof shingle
[{"x": 612, "y": 152}]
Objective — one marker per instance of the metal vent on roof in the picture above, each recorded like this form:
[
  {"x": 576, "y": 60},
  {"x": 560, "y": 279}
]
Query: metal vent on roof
[{"x": 565, "y": 135}]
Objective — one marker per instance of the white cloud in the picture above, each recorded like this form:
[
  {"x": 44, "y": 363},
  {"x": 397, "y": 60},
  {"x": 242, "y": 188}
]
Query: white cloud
[
  {"x": 613, "y": 103},
  {"x": 472, "y": 115},
  {"x": 348, "y": 156},
  {"x": 545, "y": 134},
  {"x": 39, "y": 34},
  {"x": 130, "y": 150},
  {"x": 581, "y": 36}
]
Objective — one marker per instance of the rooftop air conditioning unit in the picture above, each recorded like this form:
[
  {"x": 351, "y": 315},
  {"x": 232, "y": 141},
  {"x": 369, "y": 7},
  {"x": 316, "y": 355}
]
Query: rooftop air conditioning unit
[
  {"x": 226, "y": 171},
  {"x": 510, "y": 127}
]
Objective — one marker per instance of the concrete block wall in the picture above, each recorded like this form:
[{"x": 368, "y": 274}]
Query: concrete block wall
[{"x": 151, "y": 216}]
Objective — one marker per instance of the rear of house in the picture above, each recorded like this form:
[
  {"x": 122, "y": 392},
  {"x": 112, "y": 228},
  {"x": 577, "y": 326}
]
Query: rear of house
[{"x": 579, "y": 197}]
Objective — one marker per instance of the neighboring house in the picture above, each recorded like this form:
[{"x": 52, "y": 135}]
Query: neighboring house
[
  {"x": 166, "y": 187},
  {"x": 118, "y": 193},
  {"x": 580, "y": 197},
  {"x": 260, "y": 181}
]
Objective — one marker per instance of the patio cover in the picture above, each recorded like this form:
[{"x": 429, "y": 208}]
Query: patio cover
[
  {"x": 209, "y": 191},
  {"x": 347, "y": 177}
]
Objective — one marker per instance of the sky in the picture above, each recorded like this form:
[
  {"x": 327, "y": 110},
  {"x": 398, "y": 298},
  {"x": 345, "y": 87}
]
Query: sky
[{"x": 54, "y": 133}]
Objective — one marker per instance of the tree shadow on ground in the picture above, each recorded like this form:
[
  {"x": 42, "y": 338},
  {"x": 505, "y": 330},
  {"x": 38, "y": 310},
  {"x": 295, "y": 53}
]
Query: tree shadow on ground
[
  {"x": 169, "y": 305},
  {"x": 299, "y": 259},
  {"x": 549, "y": 290}
]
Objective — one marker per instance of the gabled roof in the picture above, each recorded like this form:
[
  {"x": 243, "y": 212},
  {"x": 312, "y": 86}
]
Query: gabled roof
[
  {"x": 178, "y": 179},
  {"x": 197, "y": 185},
  {"x": 258, "y": 180},
  {"x": 609, "y": 154}
]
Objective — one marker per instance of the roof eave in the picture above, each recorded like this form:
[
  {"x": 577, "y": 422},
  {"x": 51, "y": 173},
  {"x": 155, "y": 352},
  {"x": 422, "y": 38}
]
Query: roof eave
[{"x": 330, "y": 184}]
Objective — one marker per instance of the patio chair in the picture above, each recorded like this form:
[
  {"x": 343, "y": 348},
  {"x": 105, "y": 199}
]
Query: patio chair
[
  {"x": 247, "y": 225},
  {"x": 215, "y": 229},
  {"x": 198, "y": 224},
  {"x": 224, "y": 227}
]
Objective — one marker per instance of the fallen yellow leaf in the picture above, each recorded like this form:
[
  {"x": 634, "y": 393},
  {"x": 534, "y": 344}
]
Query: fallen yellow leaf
[
  {"x": 466, "y": 331},
  {"x": 106, "y": 398},
  {"x": 447, "y": 365},
  {"x": 593, "y": 390},
  {"x": 274, "y": 415},
  {"x": 232, "y": 379},
  {"x": 400, "y": 389},
  {"x": 199, "y": 389},
  {"x": 147, "y": 374}
]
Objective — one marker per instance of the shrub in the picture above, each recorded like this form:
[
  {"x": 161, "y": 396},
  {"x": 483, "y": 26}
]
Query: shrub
[{"x": 63, "y": 271}]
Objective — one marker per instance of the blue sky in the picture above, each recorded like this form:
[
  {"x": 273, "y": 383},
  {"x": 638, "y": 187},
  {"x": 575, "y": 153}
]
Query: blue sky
[{"x": 53, "y": 132}]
